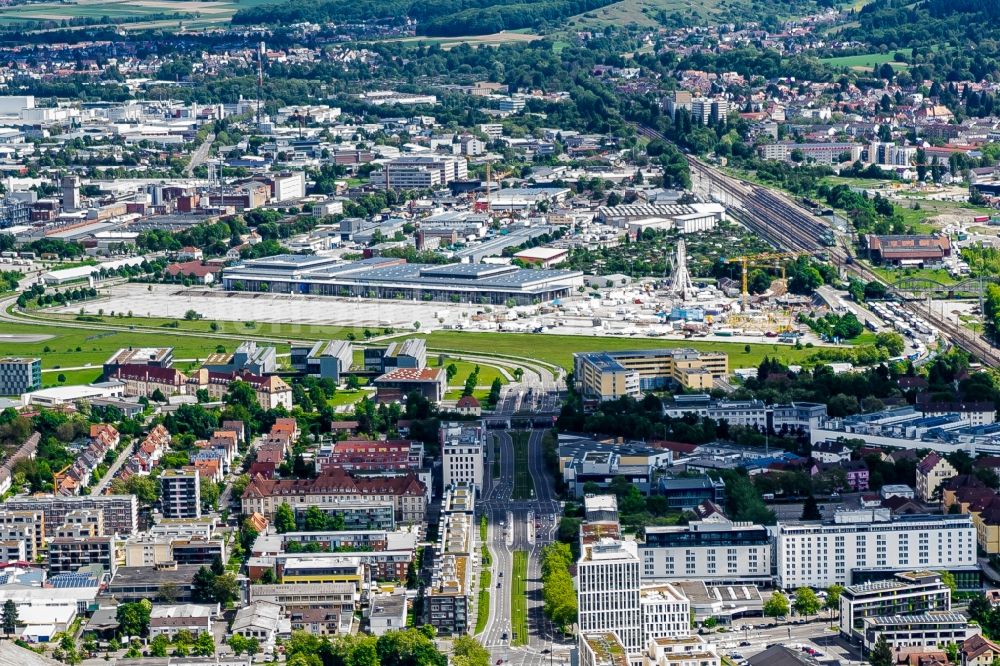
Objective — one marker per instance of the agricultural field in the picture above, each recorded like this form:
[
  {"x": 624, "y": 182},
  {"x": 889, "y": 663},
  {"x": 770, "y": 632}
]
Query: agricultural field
[{"x": 208, "y": 12}]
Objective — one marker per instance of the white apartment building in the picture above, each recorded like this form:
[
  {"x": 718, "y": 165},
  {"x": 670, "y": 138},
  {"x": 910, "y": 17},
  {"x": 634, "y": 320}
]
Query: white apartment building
[
  {"x": 711, "y": 551},
  {"x": 608, "y": 593},
  {"x": 819, "y": 554},
  {"x": 462, "y": 449},
  {"x": 666, "y": 612}
]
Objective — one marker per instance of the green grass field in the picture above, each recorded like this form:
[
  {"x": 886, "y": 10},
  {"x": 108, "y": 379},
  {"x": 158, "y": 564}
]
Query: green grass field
[
  {"x": 483, "y": 600},
  {"x": 558, "y": 349},
  {"x": 868, "y": 60},
  {"x": 519, "y": 599},
  {"x": 85, "y": 350},
  {"x": 524, "y": 488},
  {"x": 892, "y": 275}
]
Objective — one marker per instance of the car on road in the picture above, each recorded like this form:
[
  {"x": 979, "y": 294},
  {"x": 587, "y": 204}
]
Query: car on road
[
  {"x": 499, "y": 661},
  {"x": 498, "y": 586},
  {"x": 546, "y": 651},
  {"x": 745, "y": 644},
  {"x": 503, "y": 636}
]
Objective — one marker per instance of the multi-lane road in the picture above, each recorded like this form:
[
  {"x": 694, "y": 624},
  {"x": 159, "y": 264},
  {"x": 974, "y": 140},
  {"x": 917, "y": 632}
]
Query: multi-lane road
[{"x": 520, "y": 525}]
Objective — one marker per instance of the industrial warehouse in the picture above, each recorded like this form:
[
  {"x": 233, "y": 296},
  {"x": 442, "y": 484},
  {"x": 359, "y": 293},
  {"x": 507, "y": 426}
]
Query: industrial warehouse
[{"x": 383, "y": 277}]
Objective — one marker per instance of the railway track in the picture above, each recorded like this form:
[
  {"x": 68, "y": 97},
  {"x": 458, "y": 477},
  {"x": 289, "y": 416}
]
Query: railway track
[{"x": 788, "y": 226}]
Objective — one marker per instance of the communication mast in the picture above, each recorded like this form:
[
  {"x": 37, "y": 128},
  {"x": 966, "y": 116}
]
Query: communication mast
[{"x": 260, "y": 79}]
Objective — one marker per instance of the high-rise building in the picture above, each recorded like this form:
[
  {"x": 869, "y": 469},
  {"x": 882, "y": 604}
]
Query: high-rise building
[
  {"x": 608, "y": 591},
  {"x": 180, "y": 493},
  {"x": 463, "y": 446},
  {"x": 71, "y": 193},
  {"x": 20, "y": 375}
]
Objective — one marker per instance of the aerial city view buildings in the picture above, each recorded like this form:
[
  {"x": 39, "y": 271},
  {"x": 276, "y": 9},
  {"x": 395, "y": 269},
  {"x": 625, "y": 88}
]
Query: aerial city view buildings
[{"x": 591, "y": 333}]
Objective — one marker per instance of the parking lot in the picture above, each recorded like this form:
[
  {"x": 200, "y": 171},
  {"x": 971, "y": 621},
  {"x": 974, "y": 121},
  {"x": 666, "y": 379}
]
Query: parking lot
[{"x": 173, "y": 301}]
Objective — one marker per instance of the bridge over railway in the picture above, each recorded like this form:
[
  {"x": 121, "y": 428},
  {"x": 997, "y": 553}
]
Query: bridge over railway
[{"x": 915, "y": 288}]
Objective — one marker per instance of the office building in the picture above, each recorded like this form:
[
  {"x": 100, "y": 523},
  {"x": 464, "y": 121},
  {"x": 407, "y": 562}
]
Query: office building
[
  {"x": 410, "y": 353},
  {"x": 247, "y": 357},
  {"x": 612, "y": 375},
  {"x": 154, "y": 357},
  {"x": 685, "y": 493},
  {"x": 926, "y": 630},
  {"x": 120, "y": 512},
  {"x": 860, "y": 544},
  {"x": 608, "y": 582},
  {"x": 180, "y": 493},
  {"x": 326, "y": 360},
  {"x": 463, "y": 448},
  {"x": 665, "y": 612},
  {"x": 396, "y": 384},
  {"x": 911, "y": 593},
  {"x": 719, "y": 552},
  {"x": 20, "y": 375},
  {"x": 421, "y": 172}
]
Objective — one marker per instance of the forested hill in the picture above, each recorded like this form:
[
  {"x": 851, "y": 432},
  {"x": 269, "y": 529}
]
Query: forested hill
[
  {"x": 443, "y": 18},
  {"x": 904, "y": 24}
]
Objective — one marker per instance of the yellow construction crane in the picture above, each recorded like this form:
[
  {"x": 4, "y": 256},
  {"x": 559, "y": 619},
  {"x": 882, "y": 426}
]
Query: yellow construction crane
[
  {"x": 489, "y": 184},
  {"x": 768, "y": 259}
]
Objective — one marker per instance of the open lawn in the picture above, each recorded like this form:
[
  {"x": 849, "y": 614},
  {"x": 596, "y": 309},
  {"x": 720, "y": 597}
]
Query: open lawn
[
  {"x": 279, "y": 330},
  {"x": 487, "y": 373},
  {"x": 892, "y": 275},
  {"x": 503, "y": 37},
  {"x": 83, "y": 349},
  {"x": 865, "y": 60},
  {"x": 558, "y": 349},
  {"x": 524, "y": 488},
  {"x": 519, "y": 599}
]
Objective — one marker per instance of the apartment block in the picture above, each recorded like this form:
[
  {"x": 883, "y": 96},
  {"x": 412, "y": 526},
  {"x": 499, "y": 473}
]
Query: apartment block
[
  {"x": 449, "y": 598},
  {"x": 180, "y": 493},
  {"x": 121, "y": 512},
  {"x": 862, "y": 544}
]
